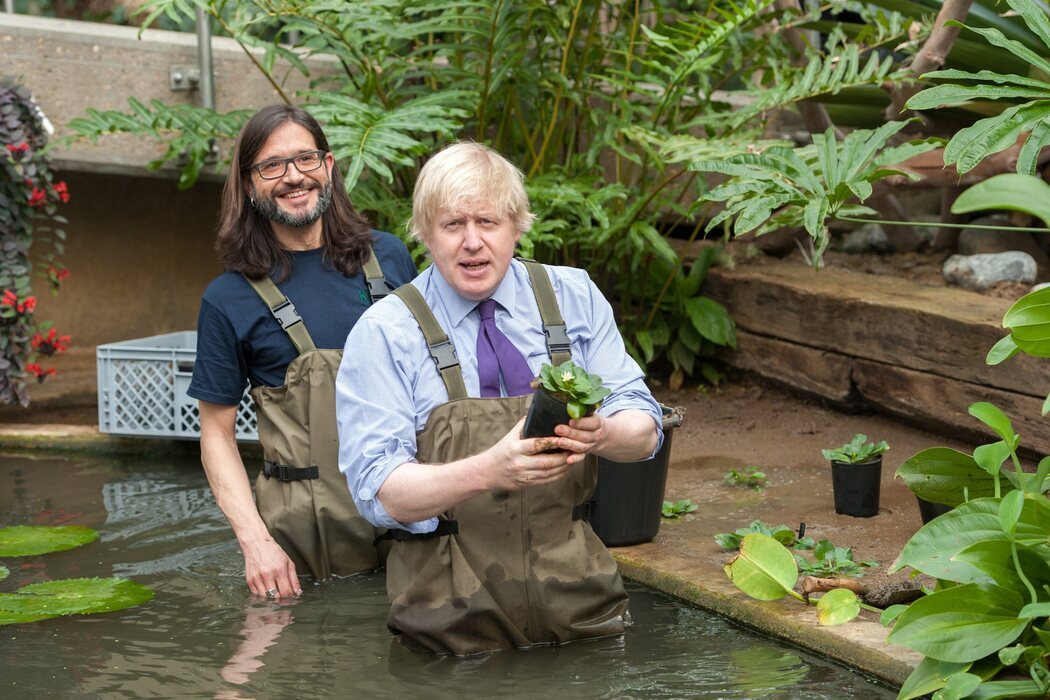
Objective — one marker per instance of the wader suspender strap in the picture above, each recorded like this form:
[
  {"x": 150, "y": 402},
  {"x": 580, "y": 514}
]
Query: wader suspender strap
[
  {"x": 442, "y": 351},
  {"x": 284, "y": 310},
  {"x": 558, "y": 345}
]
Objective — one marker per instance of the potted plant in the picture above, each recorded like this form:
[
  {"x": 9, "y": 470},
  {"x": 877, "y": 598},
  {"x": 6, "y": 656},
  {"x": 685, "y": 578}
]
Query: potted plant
[
  {"x": 562, "y": 392},
  {"x": 856, "y": 473}
]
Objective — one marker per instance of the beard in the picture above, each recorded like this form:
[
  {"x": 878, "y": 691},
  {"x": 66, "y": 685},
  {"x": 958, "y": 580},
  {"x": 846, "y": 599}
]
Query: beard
[{"x": 268, "y": 207}]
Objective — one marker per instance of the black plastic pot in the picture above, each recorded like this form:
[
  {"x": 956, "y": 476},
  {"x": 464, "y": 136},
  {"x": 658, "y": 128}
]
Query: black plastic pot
[
  {"x": 928, "y": 510},
  {"x": 545, "y": 413},
  {"x": 857, "y": 487},
  {"x": 626, "y": 506}
]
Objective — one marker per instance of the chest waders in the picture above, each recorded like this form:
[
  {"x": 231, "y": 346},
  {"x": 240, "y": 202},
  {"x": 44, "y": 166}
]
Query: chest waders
[
  {"x": 505, "y": 568},
  {"x": 301, "y": 494}
]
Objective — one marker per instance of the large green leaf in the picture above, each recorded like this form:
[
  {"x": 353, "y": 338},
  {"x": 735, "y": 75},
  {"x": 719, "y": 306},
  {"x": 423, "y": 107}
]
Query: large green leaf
[
  {"x": 942, "y": 475},
  {"x": 1029, "y": 322},
  {"x": 837, "y": 607},
  {"x": 75, "y": 596},
  {"x": 30, "y": 540},
  {"x": 764, "y": 569},
  {"x": 712, "y": 321},
  {"x": 1010, "y": 191},
  {"x": 930, "y": 675},
  {"x": 990, "y": 415},
  {"x": 932, "y": 549},
  {"x": 994, "y": 559},
  {"x": 962, "y": 623},
  {"x": 1007, "y": 690}
]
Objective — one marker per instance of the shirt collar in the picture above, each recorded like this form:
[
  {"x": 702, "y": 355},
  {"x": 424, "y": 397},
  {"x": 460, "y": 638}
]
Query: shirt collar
[{"x": 458, "y": 307}]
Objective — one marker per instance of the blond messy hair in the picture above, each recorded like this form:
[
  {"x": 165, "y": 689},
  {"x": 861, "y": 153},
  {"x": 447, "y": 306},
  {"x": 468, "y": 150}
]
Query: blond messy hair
[{"x": 466, "y": 173}]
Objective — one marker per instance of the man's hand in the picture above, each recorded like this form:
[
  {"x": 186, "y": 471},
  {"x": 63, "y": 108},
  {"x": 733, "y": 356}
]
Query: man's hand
[
  {"x": 526, "y": 462},
  {"x": 267, "y": 569},
  {"x": 581, "y": 437}
]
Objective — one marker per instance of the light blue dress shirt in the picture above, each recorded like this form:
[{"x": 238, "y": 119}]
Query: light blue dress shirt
[{"x": 388, "y": 385}]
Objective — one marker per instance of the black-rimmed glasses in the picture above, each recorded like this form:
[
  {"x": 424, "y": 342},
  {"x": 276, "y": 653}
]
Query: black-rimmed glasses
[{"x": 276, "y": 167}]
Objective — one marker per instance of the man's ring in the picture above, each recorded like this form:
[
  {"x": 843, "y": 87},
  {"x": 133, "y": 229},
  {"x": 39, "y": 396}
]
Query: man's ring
[{"x": 271, "y": 593}]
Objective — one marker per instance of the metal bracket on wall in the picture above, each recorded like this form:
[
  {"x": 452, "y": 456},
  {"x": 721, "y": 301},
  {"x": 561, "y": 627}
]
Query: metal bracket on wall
[{"x": 184, "y": 77}]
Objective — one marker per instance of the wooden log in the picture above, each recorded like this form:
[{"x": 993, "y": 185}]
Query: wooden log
[{"x": 817, "y": 372}]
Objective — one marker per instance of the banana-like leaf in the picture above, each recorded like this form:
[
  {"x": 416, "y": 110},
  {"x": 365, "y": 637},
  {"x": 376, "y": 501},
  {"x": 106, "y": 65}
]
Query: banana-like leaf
[
  {"x": 990, "y": 415},
  {"x": 943, "y": 475},
  {"x": 30, "y": 540},
  {"x": 994, "y": 559},
  {"x": 1029, "y": 323},
  {"x": 764, "y": 569},
  {"x": 961, "y": 624},
  {"x": 1010, "y": 191},
  {"x": 932, "y": 549},
  {"x": 837, "y": 607}
]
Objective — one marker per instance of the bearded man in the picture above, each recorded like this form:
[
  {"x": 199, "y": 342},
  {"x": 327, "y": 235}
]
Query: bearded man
[{"x": 301, "y": 267}]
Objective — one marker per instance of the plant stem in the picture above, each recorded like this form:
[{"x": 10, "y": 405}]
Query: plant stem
[
  {"x": 1020, "y": 572},
  {"x": 931, "y": 224},
  {"x": 538, "y": 163}
]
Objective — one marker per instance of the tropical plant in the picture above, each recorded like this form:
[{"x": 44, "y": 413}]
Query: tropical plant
[
  {"x": 751, "y": 477},
  {"x": 832, "y": 560},
  {"x": 598, "y": 102},
  {"x": 783, "y": 187},
  {"x": 30, "y": 238},
  {"x": 781, "y": 533},
  {"x": 1027, "y": 113},
  {"x": 856, "y": 451},
  {"x": 582, "y": 393},
  {"x": 48, "y": 599},
  {"x": 985, "y": 631},
  {"x": 672, "y": 510}
]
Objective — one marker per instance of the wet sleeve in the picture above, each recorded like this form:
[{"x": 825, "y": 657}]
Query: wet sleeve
[
  {"x": 220, "y": 370},
  {"x": 375, "y": 412}
]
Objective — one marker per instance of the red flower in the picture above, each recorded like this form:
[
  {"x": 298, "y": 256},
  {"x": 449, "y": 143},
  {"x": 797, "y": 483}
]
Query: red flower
[
  {"x": 39, "y": 372},
  {"x": 38, "y": 198},
  {"x": 49, "y": 344},
  {"x": 62, "y": 191},
  {"x": 56, "y": 275},
  {"x": 9, "y": 299},
  {"x": 28, "y": 305},
  {"x": 20, "y": 148}
]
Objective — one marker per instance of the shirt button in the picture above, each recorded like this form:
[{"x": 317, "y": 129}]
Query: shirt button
[{"x": 365, "y": 493}]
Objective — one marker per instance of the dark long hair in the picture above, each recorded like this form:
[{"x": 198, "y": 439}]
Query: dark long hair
[{"x": 245, "y": 240}]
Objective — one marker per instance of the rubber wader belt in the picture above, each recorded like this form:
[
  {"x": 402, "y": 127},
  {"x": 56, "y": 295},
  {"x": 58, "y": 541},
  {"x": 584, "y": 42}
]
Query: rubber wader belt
[
  {"x": 286, "y": 472},
  {"x": 558, "y": 345},
  {"x": 286, "y": 314},
  {"x": 444, "y": 529},
  {"x": 442, "y": 351}
]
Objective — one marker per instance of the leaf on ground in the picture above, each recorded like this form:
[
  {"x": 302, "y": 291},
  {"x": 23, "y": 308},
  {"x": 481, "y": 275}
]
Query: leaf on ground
[
  {"x": 764, "y": 569},
  {"x": 837, "y": 607}
]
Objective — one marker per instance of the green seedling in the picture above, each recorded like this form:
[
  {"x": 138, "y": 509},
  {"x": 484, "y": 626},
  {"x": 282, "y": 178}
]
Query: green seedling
[
  {"x": 676, "y": 509},
  {"x": 830, "y": 560},
  {"x": 581, "y": 392},
  {"x": 856, "y": 451},
  {"x": 750, "y": 477},
  {"x": 781, "y": 533}
]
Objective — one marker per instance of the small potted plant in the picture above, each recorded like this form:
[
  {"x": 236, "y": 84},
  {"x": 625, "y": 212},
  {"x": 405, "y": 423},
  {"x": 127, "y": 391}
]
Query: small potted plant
[
  {"x": 856, "y": 474},
  {"x": 562, "y": 392}
]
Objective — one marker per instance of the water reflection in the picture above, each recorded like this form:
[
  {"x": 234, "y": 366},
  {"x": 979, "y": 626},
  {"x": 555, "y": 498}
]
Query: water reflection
[{"x": 203, "y": 637}]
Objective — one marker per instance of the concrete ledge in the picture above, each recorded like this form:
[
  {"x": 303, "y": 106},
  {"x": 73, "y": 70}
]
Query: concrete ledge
[
  {"x": 886, "y": 343},
  {"x": 87, "y": 438}
]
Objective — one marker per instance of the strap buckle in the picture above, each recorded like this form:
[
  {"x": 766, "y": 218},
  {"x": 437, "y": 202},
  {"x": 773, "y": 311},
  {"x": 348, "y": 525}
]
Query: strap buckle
[
  {"x": 286, "y": 472},
  {"x": 377, "y": 288},
  {"x": 286, "y": 314},
  {"x": 444, "y": 355},
  {"x": 557, "y": 338}
]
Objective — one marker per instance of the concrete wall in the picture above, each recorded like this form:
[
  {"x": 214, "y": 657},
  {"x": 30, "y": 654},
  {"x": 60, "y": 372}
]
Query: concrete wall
[{"x": 139, "y": 251}]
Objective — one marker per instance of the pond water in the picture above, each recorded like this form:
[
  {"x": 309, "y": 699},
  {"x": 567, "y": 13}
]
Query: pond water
[{"x": 203, "y": 637}]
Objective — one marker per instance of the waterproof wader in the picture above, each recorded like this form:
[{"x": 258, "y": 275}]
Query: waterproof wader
[
  {"x": 505, "y": 568},
  {"x": 302, "y": 496}
]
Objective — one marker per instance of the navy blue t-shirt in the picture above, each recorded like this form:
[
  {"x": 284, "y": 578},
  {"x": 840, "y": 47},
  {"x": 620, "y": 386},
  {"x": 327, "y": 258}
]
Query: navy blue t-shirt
[{"x": 238, "y": 338}]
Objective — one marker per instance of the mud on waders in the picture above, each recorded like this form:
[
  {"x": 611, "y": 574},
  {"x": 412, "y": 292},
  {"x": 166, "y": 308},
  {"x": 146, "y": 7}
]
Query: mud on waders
[
  {"x": 302, "y": 496},
  {"x": 503, "y": 569}
]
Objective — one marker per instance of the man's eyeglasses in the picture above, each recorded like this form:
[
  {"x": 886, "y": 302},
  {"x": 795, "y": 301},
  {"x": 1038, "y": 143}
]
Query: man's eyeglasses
[{"x": 276, "y": 167}]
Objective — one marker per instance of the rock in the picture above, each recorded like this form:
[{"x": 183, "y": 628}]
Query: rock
[
  {"x": 1037, "y": 287},
  {"x": 980, "y": 241},
  {"x": 979, "y": 272},
  {"x": 869, "y": 238}
]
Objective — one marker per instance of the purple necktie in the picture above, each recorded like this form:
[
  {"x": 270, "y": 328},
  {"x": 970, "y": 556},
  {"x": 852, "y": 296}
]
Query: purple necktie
[{"x": 497, "y": 354}]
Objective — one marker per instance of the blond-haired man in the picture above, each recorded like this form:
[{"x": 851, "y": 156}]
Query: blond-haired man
[{"x": 489, "y": 551}]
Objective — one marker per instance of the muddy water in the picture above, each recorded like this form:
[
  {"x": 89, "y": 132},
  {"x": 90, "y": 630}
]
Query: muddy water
[{"x": 202, "y": 637}]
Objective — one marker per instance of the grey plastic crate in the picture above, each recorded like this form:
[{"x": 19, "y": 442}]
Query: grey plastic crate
[{"x": 142, "y": 389}]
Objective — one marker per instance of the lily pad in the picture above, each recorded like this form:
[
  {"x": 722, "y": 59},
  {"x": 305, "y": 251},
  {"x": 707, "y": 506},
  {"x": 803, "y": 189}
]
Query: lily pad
[
  {"x": 30, "y": 540},
  {"x": 80, "y": 596},
  {"x": 13, "y": 618}
]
